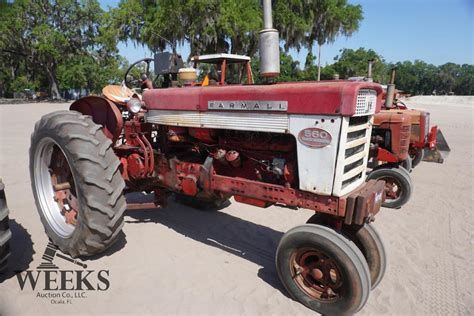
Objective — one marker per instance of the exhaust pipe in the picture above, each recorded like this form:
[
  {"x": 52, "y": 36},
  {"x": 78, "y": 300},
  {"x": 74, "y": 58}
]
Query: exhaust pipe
[
  {"x": 369, "y": 71},
  {"x": 390, "y": 90},
  {"x": 269, "y": 44}
]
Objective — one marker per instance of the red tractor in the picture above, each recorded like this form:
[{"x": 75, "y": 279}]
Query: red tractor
[
  {"x": 389, "y": 157},
  {"x": 299, "y": 145},
  {"x": 426, "y": 143}
]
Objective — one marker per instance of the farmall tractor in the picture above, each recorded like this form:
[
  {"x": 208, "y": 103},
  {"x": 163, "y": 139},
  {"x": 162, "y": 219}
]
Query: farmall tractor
[
  {"x": 389, "y": 158},
  {"x": 426, "y": 143},
  {"x": 299, "y": 145}
]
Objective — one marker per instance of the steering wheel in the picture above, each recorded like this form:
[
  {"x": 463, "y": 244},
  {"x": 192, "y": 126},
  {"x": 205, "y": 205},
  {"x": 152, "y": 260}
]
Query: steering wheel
[{"x": 132, "y": 82}]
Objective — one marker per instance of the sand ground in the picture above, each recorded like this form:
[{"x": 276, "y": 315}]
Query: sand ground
[{"x": 182, "y": 261}]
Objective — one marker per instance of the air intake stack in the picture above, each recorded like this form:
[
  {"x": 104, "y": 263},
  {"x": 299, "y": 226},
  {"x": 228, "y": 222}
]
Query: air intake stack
[
  {"x": 390, "y": 90},
  {"x": 269, "y": 44}
]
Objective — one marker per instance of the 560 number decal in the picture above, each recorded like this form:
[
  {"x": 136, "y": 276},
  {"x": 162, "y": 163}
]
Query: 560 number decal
[{"x": 314, "y": 137}]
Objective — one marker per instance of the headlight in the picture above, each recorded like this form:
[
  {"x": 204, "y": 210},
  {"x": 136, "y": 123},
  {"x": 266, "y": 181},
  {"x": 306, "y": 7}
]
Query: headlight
[{"x": 134, "y": 105}]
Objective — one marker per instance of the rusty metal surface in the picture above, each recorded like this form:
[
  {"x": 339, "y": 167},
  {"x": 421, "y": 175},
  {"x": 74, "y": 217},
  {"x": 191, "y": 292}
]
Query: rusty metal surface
[
  {"x": 103, "y": 112},
  {"x": 364, "y": 202}
]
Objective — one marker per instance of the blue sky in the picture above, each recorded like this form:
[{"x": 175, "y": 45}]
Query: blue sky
[{"x": 436, "y": 31}]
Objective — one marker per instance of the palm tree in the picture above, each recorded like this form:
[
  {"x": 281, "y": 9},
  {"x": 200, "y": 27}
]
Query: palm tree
[{"x": 330, "y": 19}]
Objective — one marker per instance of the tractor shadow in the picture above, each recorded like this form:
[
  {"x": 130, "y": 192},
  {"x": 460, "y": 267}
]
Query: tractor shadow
[
  {"x": 117, "y": 245},
  {"x": 21, "y": 251},
  {"x": 253, "y": 242}
]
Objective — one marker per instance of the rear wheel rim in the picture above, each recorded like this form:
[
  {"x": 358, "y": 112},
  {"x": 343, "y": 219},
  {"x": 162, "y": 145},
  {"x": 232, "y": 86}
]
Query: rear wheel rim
[
  {"x": 317, "y": 274},
  {"x": 55, "y": 187}
]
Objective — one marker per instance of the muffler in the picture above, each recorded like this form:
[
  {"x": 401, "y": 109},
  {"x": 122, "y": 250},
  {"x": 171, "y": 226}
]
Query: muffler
[{"x": 269, "y": 44}]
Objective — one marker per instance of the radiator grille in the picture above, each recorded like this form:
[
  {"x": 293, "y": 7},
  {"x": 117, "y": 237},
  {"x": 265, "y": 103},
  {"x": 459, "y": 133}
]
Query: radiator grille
[
  {"x": 404, "y": 138},
  {"x": 366, "y": 102},
  {"x": 353, "y": 154}
]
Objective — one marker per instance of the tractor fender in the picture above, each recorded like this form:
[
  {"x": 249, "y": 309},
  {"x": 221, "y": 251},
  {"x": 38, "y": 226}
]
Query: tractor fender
[{"x": 103, "y": 112}]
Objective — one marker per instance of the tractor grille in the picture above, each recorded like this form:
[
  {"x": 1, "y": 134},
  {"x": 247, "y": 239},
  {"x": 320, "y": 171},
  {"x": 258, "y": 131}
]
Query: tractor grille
[
  {"x": 366, "y": 102},
  {"x": 353, "y": 154},
  {"x": 404, "y": 138}
]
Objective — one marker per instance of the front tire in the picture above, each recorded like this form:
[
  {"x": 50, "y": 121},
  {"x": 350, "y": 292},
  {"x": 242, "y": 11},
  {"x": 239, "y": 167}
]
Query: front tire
[
  {"x": 369, "y": 242},
  {"x": 76, "y": 183},
  {"x": 5, "y": 232},
  {"x": 398, "y": 185},
  {"x": 407, "y": 164},
  {"x": 417, "y": 155},
  {"x": 323, "y": 270}
]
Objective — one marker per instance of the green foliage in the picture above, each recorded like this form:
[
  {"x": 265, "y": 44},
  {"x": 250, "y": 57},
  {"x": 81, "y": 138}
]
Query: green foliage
[
  {"x": 70, "y": 44},
  {"x": 289, "y": 69},
  {"x": 354, "y": 63},
  {"x": 464, "y": 83},
  {"x": 208, "y": 25},
  {"x": 39, "y": 37}
]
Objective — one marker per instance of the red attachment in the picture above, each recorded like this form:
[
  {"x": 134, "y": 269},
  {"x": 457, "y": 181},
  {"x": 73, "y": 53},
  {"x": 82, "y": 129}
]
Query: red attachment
[
  {"x": 136, "y": 138},
  {"x": 189, "y": 185},
  {"x": 149, "y": 151},
  {"x": 145, "y": 151},
  {"x": 432, "y": 137},
  {"x": 124, "y": 168},
  {"x": 334, "y": 97},
  {"x": 136, "y": 169},
  {"x": 385, "y": 155}
]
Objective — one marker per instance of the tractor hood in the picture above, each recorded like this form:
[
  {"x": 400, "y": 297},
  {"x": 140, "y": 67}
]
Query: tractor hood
[
  {"x": 391, "y": 117},
  {"x": 323, "y": 98}
]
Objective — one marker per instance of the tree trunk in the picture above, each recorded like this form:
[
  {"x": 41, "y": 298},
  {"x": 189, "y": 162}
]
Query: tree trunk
[
  {"x": 53, "y": 82},
  {"x": 319, "y": 62}
]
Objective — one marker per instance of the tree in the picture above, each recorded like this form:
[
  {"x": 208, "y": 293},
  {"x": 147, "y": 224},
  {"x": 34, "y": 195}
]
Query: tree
[
  {"x": 291, "y": 19},
  {"x": 354, "y": 63},
  {"x": 330, "y": 19},
  {"x": 464, "y": 84},
  {"x": 417, "y": 77},
  {"x": 208, "y": 25},
  {"x": 48, "y": 33}
]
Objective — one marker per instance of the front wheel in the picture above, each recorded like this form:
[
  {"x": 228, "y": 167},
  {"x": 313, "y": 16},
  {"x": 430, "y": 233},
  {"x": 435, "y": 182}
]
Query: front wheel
[
  {"x": 416, "y": 155},
  {"x": 76, "y": 183},
  {"x": 368, "y": 240},
  {"x": 398, "y": 185},
  {"x": 407, "y": 164},
  {"x": 323, "y": 270}
]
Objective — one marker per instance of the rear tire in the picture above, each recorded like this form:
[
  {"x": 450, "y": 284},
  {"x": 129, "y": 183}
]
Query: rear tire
[
  {"x": 369, "y": 242},
  {"x": 5, "y": 232},
  {"x": 93, "y": 175},
  {"x": 399, "y": 186},
  {"x": 323, "y": 270}
]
